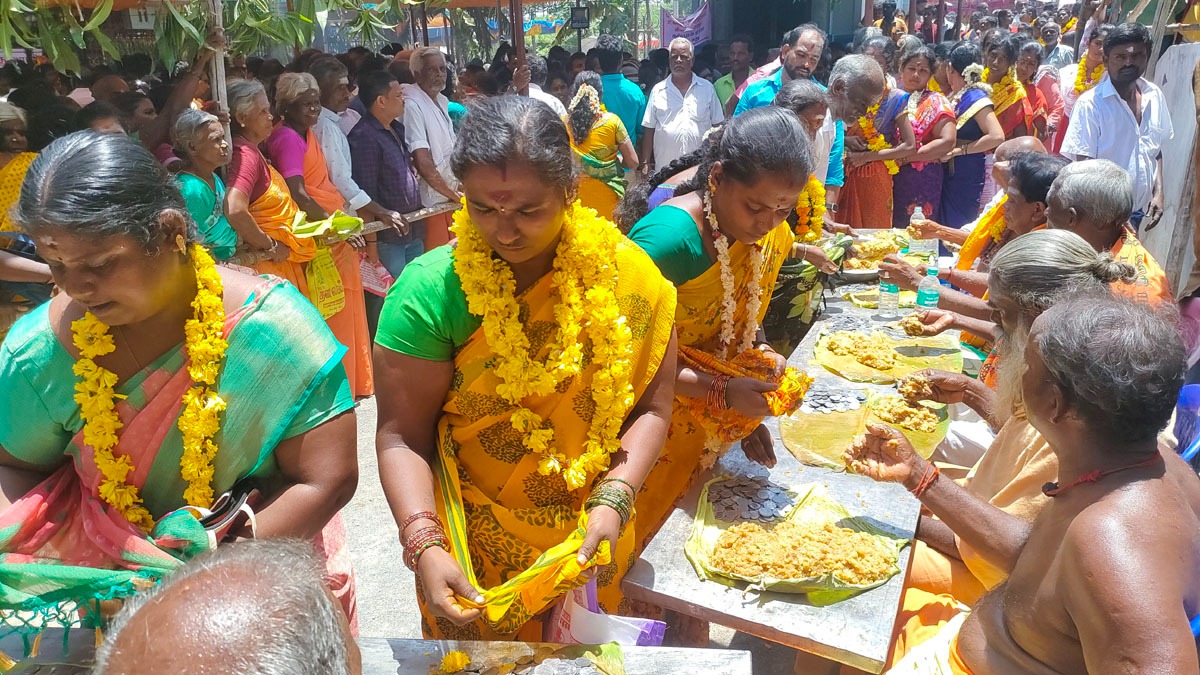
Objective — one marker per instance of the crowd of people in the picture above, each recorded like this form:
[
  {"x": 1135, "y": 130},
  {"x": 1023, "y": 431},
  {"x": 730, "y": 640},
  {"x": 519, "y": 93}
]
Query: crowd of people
[{"x": 573, "y": 333}]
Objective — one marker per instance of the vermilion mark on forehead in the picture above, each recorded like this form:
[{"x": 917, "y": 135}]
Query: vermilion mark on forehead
[{"x": 500, "y": 196}]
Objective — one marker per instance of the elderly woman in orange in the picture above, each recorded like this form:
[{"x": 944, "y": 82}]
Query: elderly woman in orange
[
  {"x": 525, "y": 386},
  {"x": 296, "y": 154},
  {"x": 134, "y": 399},
  {"x": 14, "y": 162}
]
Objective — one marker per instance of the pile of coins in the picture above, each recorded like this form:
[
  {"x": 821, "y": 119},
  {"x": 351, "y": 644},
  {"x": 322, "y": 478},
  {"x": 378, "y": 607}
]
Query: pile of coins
[
  {"x": 542, "y": 662},
  {"x": 849, "y": 323},
  {"x": 748, "y": 498},
  {"x": 826, "y": 400}
]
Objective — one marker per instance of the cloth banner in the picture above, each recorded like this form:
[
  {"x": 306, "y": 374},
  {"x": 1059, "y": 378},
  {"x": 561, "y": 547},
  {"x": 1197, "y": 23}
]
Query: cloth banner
[{"x": 696, "y": 27}]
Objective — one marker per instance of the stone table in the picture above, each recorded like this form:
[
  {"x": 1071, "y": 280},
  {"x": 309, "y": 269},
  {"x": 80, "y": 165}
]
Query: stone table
[{"x": 856, "y": 631}]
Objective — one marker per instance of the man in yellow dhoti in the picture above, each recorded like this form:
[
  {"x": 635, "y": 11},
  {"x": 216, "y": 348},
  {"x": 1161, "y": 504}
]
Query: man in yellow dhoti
[
  {"x": 1026, "y": 278},
  {"x": 525, "y": 374},
  {"x": 722, "y": 240}
]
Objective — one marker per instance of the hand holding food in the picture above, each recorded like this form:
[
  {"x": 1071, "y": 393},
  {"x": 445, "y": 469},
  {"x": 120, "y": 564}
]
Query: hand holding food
[{"x": 885, "y": 455}]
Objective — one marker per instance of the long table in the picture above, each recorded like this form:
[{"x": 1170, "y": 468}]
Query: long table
[
  {"x": 856, "y": 631},
  {"x": 385, "y": 656}
]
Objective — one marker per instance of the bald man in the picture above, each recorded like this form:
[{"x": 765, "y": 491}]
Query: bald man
[
  {"x": 249, "y": 607},
  {"x": 107, "y": 87}
]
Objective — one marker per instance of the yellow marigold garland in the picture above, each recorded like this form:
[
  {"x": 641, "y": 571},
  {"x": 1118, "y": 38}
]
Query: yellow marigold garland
[
  {"x": 585, "y": 278},
  {"x": 1069, "y": 25},
  {"x": 1085, "y": 80},
  {"x": 1007, "y": 91},
  {"x": 199, "y": 420},
  {"x": 875, "y": 140},
  {"x": 810, "y": 211}
]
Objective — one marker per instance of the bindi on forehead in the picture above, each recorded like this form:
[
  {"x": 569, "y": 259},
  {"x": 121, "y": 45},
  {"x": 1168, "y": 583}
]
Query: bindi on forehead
[{"x": 500, "y": 196}]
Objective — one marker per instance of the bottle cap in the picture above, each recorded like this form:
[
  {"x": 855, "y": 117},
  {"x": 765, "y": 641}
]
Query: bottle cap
[{"x": 931, "y": 272}]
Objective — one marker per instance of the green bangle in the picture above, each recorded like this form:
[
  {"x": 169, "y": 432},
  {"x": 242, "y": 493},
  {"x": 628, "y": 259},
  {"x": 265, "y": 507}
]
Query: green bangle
[{"x": 632, "y": 490}]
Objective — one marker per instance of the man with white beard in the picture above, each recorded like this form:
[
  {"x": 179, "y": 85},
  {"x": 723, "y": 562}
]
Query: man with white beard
[{"x": 1027, "y": 277}]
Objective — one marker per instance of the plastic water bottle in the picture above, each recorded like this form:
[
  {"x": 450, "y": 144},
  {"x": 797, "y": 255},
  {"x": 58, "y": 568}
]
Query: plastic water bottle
[
  {"x": 924, "y": 247},
  {"x": 889, "y": 300},
  {"x": 930, "y": 290}
]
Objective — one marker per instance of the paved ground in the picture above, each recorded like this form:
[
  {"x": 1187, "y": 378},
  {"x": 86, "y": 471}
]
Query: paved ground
[{"x": 387, "y": 605}]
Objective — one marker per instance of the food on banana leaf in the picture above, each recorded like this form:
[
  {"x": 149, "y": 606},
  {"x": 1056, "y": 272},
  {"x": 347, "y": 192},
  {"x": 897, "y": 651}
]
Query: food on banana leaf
[
  {"x": 898, "y": 412},
  {"x": 869, "y": 299},
  {"x": 791, "y": 550},
  {"x": 874, "y": 350}
]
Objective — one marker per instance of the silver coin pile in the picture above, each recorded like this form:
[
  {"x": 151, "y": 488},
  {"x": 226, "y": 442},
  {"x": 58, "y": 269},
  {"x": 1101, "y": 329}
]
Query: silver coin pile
[
  {"x": 850, "y": 323},
  {"x": 748, "y": 498},
  {"x": 826, "y": 401},
  {"x": 541, "y": 662}
]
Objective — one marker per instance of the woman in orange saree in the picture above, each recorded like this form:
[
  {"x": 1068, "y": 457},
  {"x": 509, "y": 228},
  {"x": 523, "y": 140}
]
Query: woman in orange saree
[
  {"x": 722, "y": 241},
  {"x": 525, "y": 386},
  {"x": 297, "y": 156},
  {"x": 884, "y": 134}
]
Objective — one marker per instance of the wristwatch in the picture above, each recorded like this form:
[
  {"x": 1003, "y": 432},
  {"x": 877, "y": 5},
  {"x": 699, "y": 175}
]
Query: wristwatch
[{"x": 831, "y": 207}]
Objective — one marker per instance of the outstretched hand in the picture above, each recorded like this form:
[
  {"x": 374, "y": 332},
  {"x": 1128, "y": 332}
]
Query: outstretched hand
[{"x": 885, "y": 455}]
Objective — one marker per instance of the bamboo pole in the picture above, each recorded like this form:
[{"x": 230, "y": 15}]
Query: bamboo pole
[
  {"x": 424, "y": 25},
  {"x": 216, "y": 78}
]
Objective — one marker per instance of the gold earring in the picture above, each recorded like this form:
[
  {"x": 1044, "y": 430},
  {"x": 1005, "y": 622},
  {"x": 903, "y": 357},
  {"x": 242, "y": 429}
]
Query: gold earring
[{"x": 181, "y": 244}]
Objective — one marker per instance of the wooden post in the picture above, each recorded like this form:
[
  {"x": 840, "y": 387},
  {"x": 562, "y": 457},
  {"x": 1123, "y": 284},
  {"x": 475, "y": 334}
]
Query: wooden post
[
  {"x": 216, "y": 77},
  {"x": 941, "y": 21},
  {"x": 424, "y": 25},
  {"x": 412, "y": 25},
  {"x": 1162, "y": 14}
]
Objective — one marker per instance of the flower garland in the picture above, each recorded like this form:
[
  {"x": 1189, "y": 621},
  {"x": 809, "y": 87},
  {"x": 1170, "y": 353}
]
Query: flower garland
[
  {"x": 875, "y": 140},
  {"x": 585, "y": 278},
  {"x": 988, "y": 227},
  {"x": 810, "y": 211},
  {"x": 1069, "y": 25},
  {"x": 199, "y": 420},
  {"x": 1007, "y": 91},
  {"x": 728, "y": 302},
  {"x": 1085, "y": 80}
]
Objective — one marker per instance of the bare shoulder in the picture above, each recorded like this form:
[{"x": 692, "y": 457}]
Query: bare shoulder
[{"x": 238, "y": 287}]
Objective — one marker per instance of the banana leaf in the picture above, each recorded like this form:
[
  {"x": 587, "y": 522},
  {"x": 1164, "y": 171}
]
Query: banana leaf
[
  {"x": 869, "y": 299},
  {"x": 338, "y": 225},
  {"x": 819, "y": 439},
  {"x": 912, "y": 354},
  {"x": 813, "y": 506}
]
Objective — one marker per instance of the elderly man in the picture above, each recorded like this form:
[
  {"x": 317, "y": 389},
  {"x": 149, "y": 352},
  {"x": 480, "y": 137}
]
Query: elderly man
[
  {"x": 1057, "y": 54},
  {"x": 679, "y": 111},
  {"x": 334, "y": 83},
  {"x": 1093, "y": 199},
  {"x": 1125, "y": 119},
  {"x": 250, "y": 607},
  {"x": 538, "y": 73},
  {"x": 1030, "y": 175},
  {"x": 429, "y": 133},
  {"x": 621, "y": 97},
  {"x": 1104, "y": 578},
  {"x": 1029, "y": 275}
]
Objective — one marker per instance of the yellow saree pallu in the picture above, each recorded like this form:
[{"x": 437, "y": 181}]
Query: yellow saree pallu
[
  {"x": 504, "y": 518},
  {"x": 12, "y": 175},
  {"x": 274, "y": 212},
  {"x": 697, "y": 437}
]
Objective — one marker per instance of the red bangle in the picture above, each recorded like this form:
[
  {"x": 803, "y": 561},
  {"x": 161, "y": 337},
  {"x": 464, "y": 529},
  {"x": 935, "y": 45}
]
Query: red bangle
[
  {"x": 421, "y": 541},
  {"x": 427, "y": 515},
  {"x": 716, "y": 392},
  {"x": 931, "y": 476}
]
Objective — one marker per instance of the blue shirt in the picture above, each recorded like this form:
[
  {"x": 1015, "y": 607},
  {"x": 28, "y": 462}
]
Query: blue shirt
[
  {"x": 763, "y": 92},
  {"x": 380, "y": 164},
  {"x": 625, "y": 100}
]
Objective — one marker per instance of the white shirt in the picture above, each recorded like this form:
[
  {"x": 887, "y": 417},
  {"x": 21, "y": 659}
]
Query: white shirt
[
  {"x": 680, "y": 119},
  {"x": 347, "y": 120},
  {"x": 427, "y": 126},
  {"x": 535, "y": 92},
  {"x": 822, "y": 145},
  {"x": 1103, "y": 127},
  {"x": 337, "y": 157}
]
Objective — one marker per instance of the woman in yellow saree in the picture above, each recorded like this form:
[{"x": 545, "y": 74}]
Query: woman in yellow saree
[
  {"x": 525, "y": 383},
  {"x": 14, "y": 162},
  {"x": 603, "y": 146},
  {"x": 722, "y": 240}
]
